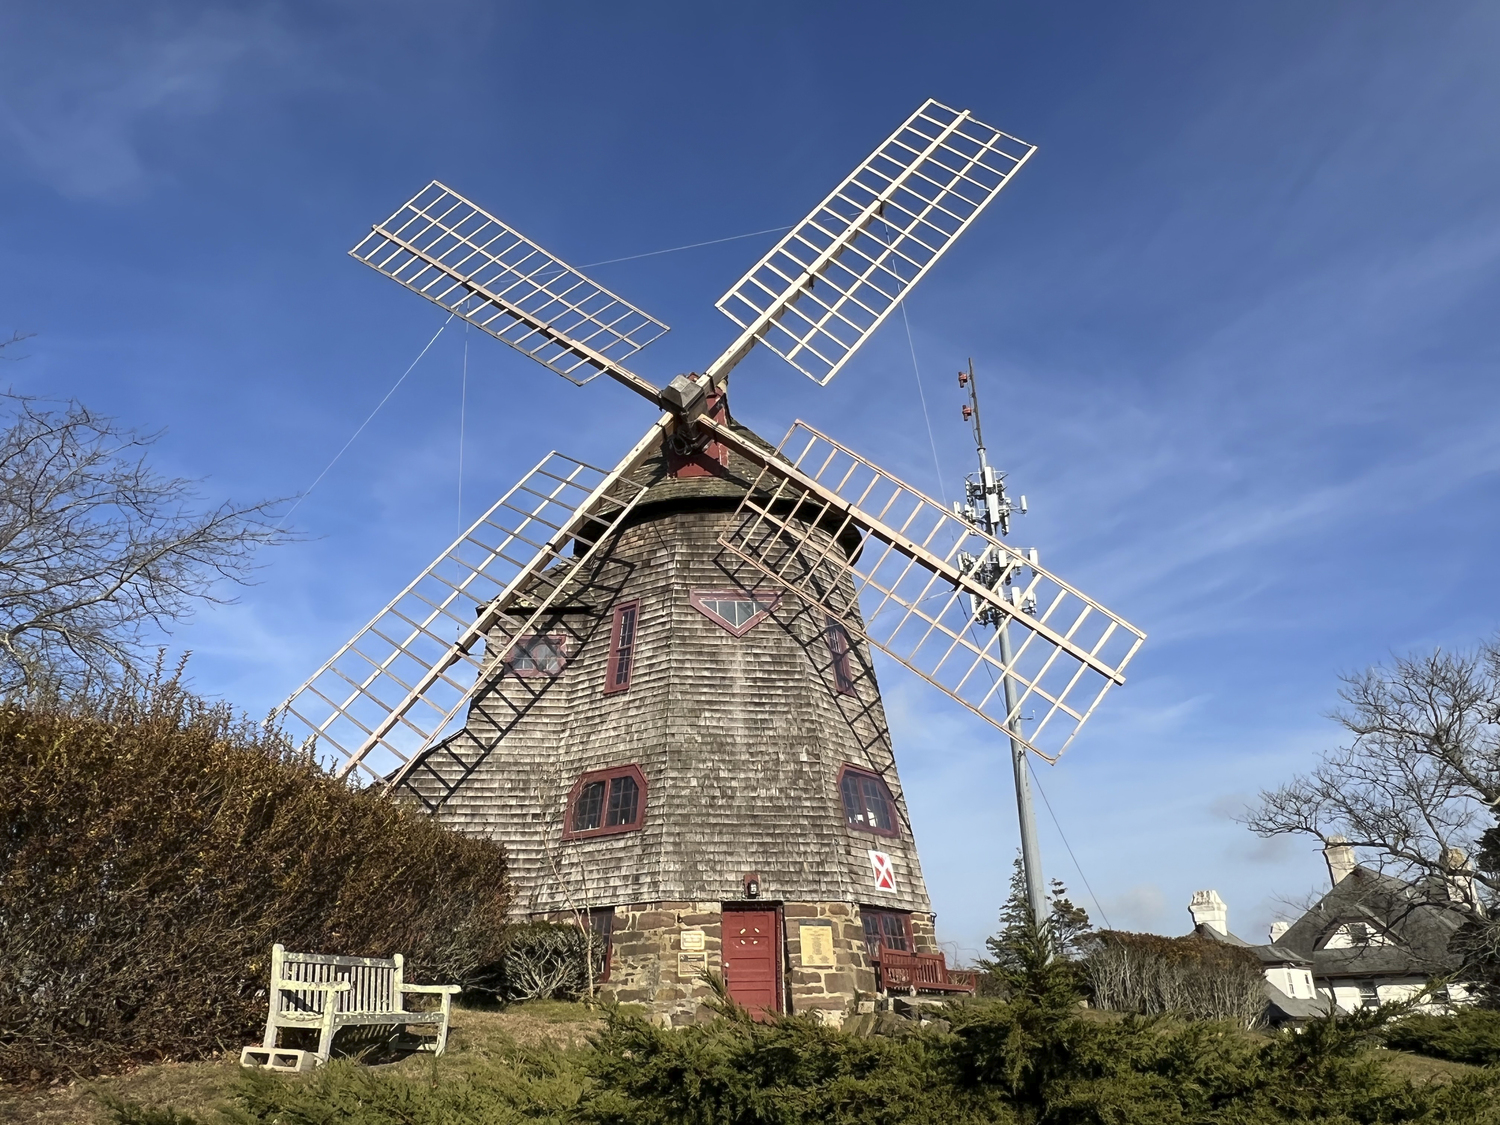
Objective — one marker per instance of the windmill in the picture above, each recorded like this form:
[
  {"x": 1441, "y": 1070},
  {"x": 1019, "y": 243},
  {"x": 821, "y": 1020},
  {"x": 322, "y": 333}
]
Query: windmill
[{"x": 653, "y": 682}]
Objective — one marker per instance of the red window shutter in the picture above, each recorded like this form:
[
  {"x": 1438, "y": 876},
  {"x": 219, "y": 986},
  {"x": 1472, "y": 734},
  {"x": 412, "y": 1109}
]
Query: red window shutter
[{"x": 622, "y": 639}]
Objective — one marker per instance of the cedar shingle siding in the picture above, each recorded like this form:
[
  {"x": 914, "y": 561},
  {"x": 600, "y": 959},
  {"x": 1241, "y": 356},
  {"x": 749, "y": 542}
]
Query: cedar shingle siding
[{"x": 740, "y": 739}]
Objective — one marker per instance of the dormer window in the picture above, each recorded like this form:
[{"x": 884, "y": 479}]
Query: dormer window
[
  {"x": 867, "y": 802},
  {"x": 604, "y": 802},
  {"x": 736, "y": 611},
  {"x": 1355, "y": 934}
]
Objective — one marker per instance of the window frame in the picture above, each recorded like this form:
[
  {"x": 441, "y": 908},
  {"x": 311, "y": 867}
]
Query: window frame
[
  {"x": 605, "y": 775},
  {"x": 769, "y": 599},
  {"x": 848, "y": 769},
  {"x": 1369, "y": 993},
  {"x": 565, "y": 654},
  {"x": 842, "y": 654},
  {"x": 873, "y": 913},
  {"x": 612, "y": 666}
]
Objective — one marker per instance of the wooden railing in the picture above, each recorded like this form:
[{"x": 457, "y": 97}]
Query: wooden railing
[{"x": 921, "y": 972}]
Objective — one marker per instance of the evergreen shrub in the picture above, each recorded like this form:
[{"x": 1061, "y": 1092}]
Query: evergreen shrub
[
  {"x": 1467, "y": 1035},
  {"x": 1032, "y": 1061},
  {"x": 152, "y": 848}
]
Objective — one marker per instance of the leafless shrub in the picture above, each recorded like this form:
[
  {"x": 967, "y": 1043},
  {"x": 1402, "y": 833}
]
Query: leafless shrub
[
  {"x": 1153, "y": 975},
  {"x": 545, "y": 961}
]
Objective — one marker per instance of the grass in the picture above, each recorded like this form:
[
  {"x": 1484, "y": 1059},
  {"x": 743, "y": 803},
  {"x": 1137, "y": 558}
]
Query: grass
[{"x": 479, "y": 1037}]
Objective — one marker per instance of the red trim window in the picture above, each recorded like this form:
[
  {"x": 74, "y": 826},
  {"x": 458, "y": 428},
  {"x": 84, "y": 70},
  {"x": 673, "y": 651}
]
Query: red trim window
[
  {"x": 737, "y": 611},
  {"x": 604, "y": 802},
  {"x": 841, "y": 651},
  {"x": 543, "y": 654},
  {"x": 622, "y": 647},
  {"x": 886, "y": 929},
  {"x": 868, "y": 804}
]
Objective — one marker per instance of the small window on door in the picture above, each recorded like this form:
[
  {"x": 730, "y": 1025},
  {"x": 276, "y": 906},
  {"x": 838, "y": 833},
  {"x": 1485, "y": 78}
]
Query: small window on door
[
  {"x": 622, "y": 647},
  {"x": 886, "y": 929},
  {"x": 841, "y": 651},
  {"x": 867, "y": 802},
  {"x": 605, "y": 802},
  {"x": 541, "y": 655}
]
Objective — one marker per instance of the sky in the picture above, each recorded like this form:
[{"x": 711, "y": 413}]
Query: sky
[{"x": 1230, "y": 324}]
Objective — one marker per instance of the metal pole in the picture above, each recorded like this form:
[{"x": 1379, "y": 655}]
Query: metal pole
[
  {"x": 1031, "y": 851},
  {"x": 992, "y": 512}
]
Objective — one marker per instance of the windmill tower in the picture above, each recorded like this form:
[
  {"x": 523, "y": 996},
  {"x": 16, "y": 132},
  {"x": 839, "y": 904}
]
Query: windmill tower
[{"x": 654, "y": 683}]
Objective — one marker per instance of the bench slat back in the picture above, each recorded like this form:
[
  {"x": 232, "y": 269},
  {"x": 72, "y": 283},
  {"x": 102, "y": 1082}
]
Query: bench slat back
[{"x": 372, "y": 983}]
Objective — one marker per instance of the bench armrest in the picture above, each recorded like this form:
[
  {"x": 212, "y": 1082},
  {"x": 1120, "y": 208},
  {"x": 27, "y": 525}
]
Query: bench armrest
[
  {"x": 450, "y": 989},
  {"x": 310, "y": 986}
]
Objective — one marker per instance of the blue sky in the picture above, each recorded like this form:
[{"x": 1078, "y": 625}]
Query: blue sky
[{"x": 1232, "y": 322}]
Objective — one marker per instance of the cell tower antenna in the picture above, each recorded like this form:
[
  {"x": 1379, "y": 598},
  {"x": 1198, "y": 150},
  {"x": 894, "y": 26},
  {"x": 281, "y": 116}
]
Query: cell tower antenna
[{"x": 987, "y": 505}]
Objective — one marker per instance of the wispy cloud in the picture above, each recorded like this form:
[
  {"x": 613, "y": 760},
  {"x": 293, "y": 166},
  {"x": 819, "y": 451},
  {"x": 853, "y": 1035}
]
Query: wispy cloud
[{"x": 78, "y": 120}]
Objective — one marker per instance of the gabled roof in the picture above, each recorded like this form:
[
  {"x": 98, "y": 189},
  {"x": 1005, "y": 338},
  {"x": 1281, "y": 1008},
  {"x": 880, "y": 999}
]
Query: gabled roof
[{"x": 1416, "y": 929}]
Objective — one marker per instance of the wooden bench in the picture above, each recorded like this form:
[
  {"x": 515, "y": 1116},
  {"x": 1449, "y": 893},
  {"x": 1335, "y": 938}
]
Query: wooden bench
[
  {"x": 921, "y": 972},
  {"x": 314, "y": 990}
]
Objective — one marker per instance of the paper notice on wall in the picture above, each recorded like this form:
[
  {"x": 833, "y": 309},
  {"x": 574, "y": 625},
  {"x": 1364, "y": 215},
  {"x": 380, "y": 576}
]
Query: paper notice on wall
[
  {"x": 817, "y": 944},
  {"x": 692, "y": 941},
  {"x": 691, "y": 966},
  {"x": 885, "y": 873}
]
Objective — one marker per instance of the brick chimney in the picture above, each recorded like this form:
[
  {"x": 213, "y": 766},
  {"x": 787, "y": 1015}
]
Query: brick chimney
[
  {"x": 1340, "y": 856},
  {"x": 1208, "y": 909}
]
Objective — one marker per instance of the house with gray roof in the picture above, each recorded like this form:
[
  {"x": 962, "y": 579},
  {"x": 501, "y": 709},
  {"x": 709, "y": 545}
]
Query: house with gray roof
[
  {"x": 1373, "y": 938},
  {"x": 1370, "y": 939}
]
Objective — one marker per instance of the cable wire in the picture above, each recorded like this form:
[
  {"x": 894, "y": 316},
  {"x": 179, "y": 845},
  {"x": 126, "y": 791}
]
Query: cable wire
[
  {"x": 463, "y": 404},
  {"x": 1076, "y": 866},
  {"x": 366, "y": 422},
  {"x": 689, "y": 246},
  {"x": 922, "y": 394}
]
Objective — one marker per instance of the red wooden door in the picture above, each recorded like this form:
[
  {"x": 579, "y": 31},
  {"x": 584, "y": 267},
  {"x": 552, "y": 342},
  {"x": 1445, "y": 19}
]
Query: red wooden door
[{"x": 752, "y": 954}]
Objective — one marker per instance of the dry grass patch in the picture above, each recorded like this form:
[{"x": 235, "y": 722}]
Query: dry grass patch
[{"x": 478, "y": 1035}]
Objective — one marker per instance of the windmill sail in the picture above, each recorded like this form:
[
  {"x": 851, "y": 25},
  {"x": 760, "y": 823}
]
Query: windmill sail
[
  {"x": 825, "y": 287},
  {"x": 398, "y": 685},
  {"x": 467, "y": 261},
  {"x": 818, "y": 511}
]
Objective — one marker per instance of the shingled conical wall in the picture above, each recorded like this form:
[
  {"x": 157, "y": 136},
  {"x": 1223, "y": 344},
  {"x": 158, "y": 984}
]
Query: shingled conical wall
[{"x": 742, "y": 846}]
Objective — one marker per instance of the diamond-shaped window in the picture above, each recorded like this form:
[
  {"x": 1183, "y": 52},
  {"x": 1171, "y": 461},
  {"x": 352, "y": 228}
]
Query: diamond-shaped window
[{"x": 737, "y": 611}]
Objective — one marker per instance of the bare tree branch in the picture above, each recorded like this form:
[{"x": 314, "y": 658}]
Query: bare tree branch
[
  {"x": 97, "y": 550},
  {"x": 1421, "y": 774}
]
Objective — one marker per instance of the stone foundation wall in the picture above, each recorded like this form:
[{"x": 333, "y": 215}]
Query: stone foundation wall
[
  {"x": 649, "y": 966},
  {"x": 924, "y": 933},
  {"x": 659, "y": 951},
  {"x": 815, "y": 985}
]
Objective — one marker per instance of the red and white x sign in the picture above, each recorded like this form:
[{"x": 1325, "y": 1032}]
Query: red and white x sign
[{"x": 885, "y": 874}]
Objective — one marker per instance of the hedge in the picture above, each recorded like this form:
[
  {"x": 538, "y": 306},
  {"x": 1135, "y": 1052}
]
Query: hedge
[{"x": 152, "y": 848}]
